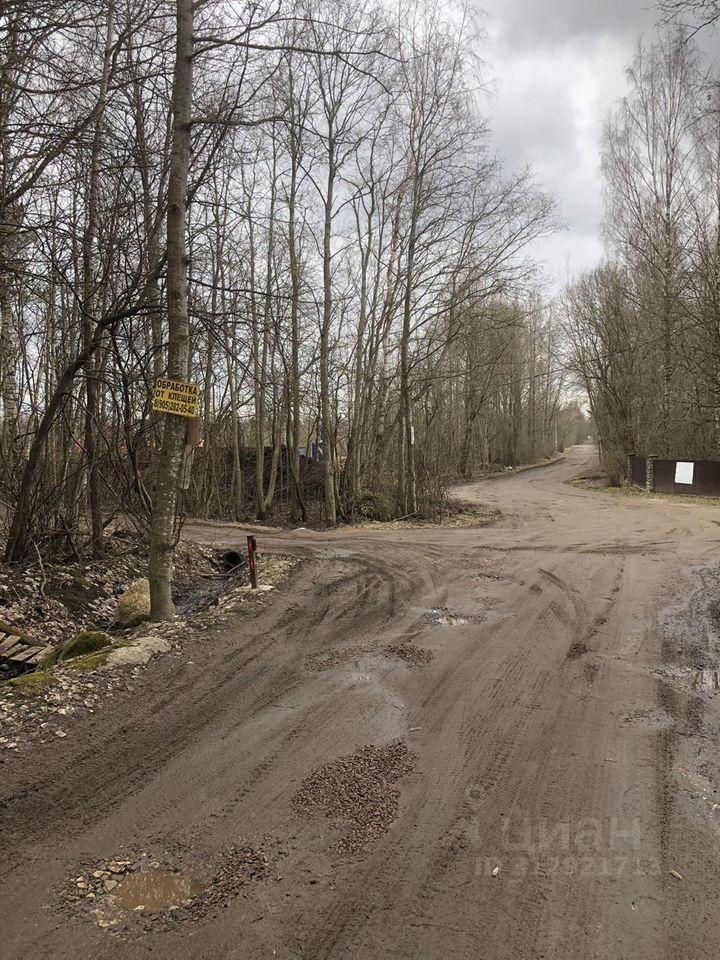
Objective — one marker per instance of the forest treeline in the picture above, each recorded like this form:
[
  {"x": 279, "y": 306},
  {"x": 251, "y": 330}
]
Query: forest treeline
[
  {"x": 297, "y": 208},
  {"x": 644, "y": 327}
]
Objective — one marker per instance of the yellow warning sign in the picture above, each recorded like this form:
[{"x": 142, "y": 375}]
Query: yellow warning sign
[{"x": 175, "y": 396}]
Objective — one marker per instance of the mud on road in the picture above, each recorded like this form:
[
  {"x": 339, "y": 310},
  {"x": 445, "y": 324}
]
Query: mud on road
[{"x": 540, "y": 780}]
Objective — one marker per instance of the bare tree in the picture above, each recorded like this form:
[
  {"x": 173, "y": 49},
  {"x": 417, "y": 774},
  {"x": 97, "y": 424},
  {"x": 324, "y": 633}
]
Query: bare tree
[{"x": 170, "y": 463}]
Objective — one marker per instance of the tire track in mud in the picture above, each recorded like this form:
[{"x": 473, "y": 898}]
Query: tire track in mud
[
  {"x": 690, "y": 646},
  {"x": 491, "y": 755},
  {"x": 505, "y": 727},
  {"x": 202, "y": 704},
  {"x": 489, "y": 735},
  {"x": 539, "y": 771}
]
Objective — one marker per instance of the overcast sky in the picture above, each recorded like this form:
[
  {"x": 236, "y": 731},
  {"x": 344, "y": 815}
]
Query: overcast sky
[{"x": 558, "y": 67}]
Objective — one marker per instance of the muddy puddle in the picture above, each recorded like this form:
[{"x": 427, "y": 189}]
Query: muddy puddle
[
  {"x": 119, "y": 895},
  {"x": 157, "y": 890},
  {"x": 470, "y": 613},
  {"x": 442, "y": 618}
]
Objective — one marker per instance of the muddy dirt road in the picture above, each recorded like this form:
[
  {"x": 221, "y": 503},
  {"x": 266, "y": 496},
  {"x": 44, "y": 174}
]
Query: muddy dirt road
[{"x": 562, "y": 802}]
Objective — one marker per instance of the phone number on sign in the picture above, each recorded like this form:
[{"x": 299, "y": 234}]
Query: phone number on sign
[{"x": 175, "y": 406}]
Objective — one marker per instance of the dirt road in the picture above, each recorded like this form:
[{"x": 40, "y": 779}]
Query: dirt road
[{"x": 563, "y": 798}]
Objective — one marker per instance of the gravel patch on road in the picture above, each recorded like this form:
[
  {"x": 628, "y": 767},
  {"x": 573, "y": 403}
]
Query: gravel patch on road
[
  {"x": 360, "y": 790},
  {"x": 335, "y": 658},
  {"x": 238, "y": 867},
  {"x": 412, "y": 656}
]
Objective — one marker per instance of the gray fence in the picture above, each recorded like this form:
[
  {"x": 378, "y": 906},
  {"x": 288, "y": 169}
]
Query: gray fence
[{"x": 696, "y": 478}]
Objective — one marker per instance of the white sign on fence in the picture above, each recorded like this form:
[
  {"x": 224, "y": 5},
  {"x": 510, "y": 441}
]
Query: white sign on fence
[{"x": 684, "y": 472}]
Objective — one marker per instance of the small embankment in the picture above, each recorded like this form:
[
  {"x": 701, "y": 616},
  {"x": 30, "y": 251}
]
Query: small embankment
[{"x": 88, "y": 647}]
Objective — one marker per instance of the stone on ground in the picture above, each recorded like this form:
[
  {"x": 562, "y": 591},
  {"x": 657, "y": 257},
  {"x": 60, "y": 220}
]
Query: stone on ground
[{"x": 138, "y": 653}]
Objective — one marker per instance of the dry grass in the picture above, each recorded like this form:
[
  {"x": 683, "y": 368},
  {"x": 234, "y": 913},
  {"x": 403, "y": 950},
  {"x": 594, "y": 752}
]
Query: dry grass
[
  {"x": 599, "y": 482},
  {"x": 510, "y": 471}
]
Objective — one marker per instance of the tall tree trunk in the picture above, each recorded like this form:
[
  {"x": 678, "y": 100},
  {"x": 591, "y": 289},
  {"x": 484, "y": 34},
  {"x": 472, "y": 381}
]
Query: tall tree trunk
[
  {"x": 408, "y": 493},
  {"x": 8, "y": 360},
  {"x": 354, "y": 451},
  {"x": 169, "y": 468},
  {"x": 297, "y": 508},
  {"x": 10, "y": 222},
  {"x": 237, "y": 485},
  {"x": 89, "y": 298},
  {"x": 261, "y": 385},
  {"x": 259, "y": 353},
  {"x": 276, "y": 454},
  {"x": 325, "y": 415}
]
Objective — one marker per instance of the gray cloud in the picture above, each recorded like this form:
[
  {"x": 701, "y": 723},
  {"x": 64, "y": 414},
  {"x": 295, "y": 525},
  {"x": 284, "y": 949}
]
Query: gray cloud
[
  {"x": 559, "y": 67},
  {"x": 548, "y": 23}
]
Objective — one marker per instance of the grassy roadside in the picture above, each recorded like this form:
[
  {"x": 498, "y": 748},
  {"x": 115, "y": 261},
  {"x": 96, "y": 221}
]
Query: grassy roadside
[
  {"x": 598, "y": 483},
  {"x": 457, "y": 513},
  {"x": 510, "y": 471}
]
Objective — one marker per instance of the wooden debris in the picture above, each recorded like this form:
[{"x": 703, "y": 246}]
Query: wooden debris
[
  {"x": 15, "y": 650},
  {"x": 7, "y": 642}
]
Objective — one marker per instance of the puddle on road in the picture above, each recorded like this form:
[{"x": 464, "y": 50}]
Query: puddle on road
[
  {"x": 356, "y": 677},
  {"x": 156, "y": 891},
  {"x": 442, "y": 618}
]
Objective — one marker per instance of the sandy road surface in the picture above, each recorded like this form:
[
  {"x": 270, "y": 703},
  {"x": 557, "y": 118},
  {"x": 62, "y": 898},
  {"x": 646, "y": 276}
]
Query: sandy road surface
[{"x": 565, "y": 734}]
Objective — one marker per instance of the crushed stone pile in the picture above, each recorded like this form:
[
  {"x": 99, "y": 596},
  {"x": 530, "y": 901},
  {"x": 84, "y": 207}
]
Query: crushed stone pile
[{"x": 360, "y": 790}]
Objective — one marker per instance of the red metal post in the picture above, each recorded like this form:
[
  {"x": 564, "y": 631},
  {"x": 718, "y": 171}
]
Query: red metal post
[{"x": 252, "y": 561}]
